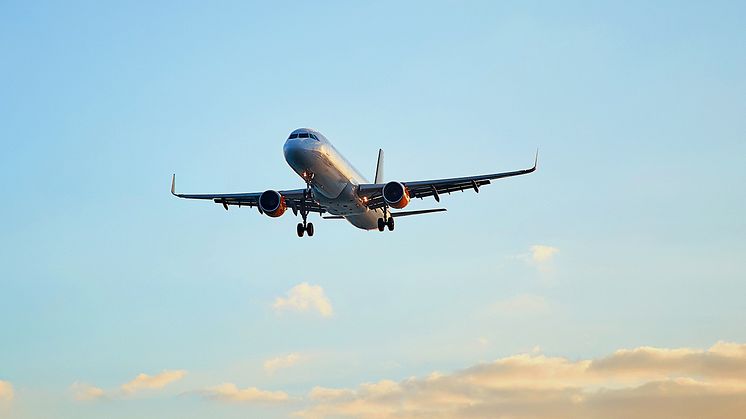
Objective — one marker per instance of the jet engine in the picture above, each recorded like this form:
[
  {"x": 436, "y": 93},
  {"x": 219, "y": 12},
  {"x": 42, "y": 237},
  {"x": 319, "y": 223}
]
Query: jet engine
[
  {"x": 396, "y": 195},
  {"x": 272, "y": 203}
]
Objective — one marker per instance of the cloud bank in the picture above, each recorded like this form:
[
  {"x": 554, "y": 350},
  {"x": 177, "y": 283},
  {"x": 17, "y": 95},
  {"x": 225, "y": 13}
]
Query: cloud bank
[
  {"x": 642, "y": 383},
  {"x": 305, "y": 297}
]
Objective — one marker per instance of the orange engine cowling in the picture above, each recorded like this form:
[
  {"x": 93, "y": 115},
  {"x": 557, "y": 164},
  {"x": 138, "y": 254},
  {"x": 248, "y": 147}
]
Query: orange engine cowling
[
  {"x": 396, "y": 195},
  {"x": 272, "y": 203}
]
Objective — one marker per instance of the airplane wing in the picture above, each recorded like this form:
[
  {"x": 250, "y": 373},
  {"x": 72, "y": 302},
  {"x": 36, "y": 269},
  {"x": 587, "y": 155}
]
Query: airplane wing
[
  {"x": 420, "y": 189},
  {"x": 293, "y": 199}
]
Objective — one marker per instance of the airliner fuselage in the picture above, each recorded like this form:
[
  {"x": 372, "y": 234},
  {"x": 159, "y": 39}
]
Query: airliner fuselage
[{"x": 332, "y": 178}]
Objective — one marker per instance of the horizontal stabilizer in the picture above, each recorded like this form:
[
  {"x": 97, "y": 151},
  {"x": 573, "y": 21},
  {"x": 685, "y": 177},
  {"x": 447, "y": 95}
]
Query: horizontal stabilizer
[
  {"x": 417, "y": 212},
  {"x": 393, "y": 214}
]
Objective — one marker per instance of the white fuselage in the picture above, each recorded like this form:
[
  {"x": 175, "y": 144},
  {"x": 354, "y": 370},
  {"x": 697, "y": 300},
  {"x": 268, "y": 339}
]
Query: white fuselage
[{"x": 333, "y": 179}]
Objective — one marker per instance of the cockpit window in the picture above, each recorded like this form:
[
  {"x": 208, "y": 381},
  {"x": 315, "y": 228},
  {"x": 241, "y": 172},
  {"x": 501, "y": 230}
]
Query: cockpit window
[{"x": 304, "y": 135}]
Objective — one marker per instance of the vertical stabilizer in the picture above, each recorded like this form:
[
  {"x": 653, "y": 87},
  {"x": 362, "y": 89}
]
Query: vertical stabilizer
[{"x": 379, "y": 167}]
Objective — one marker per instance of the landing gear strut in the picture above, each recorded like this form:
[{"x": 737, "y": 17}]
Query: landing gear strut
[{"x": 305, "y": 226}]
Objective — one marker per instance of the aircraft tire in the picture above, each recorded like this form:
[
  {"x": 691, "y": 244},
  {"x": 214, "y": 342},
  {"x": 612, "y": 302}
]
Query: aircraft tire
[
  {"x": 300, "y": 230},
  {"x": 309, "y": 229}
]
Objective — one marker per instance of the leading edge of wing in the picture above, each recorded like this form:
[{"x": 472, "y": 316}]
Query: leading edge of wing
[
  {"x": 491, "y": 176},
  {"x": 373, "y": 188}
]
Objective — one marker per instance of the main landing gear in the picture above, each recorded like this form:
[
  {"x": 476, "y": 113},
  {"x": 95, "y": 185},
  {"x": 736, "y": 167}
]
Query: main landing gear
[
  {"x": 305, "y": 228},
  {"x": 386, "y": 222}
]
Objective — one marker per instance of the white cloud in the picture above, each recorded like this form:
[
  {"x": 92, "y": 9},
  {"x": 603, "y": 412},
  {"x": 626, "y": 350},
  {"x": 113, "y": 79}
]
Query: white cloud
[
  {"x": 273, "y": 364},
  {"x": 6, "y": 391},
  {"x": 229, "y": 392},
  {"x": 642, "y": 383},
  {"x": 541, "y": 257},
  {"x": 542, "y": 254},
  {"x": 522, "y": 305},
  {"x": 305, "y": 297},
  {"x": 158, "y": 381},
  {"x": 84, "y": 392}
]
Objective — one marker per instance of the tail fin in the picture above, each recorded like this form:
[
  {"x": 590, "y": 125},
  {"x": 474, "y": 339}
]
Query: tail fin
[{"x": 379, "y": 167}]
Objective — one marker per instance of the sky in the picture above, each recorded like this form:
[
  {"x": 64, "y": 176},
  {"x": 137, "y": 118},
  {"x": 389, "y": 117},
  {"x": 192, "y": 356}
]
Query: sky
[{"x": 609, "y": 283}]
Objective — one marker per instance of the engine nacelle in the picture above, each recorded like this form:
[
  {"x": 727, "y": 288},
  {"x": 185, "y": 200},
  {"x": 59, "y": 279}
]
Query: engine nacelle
[
  {"x": 396, "y": 195},
  {"x": 272, "y": 203}
]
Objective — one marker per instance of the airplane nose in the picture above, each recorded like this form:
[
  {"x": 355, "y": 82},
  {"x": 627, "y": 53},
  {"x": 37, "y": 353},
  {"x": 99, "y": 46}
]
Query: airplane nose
[
  {"x": 291, "y": 148},
  {"x": 296, "y": 151}
]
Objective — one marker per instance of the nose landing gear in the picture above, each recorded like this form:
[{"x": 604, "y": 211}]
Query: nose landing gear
[{"x": 305, "y": 226}]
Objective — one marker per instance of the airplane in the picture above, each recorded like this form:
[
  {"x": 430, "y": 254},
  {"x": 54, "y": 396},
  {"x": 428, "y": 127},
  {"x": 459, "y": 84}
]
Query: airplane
[{"x": 335, "y": 187}]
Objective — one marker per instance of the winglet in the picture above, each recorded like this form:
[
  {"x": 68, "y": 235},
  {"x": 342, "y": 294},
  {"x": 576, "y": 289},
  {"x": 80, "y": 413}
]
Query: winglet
[
  {"x": 536, "y": 158},
  {"x": 173, "y": 184}
]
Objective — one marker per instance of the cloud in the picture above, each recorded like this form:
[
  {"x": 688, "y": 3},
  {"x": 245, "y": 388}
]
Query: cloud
[
  {"x": 6, "y": 391},
  {"x": 542, "y": 254},
  {"x": 522, "y": 305},
  {"x": 643, "y": 383},
  {"x": 229, "y": 392},
  {"x": 84, "y": 392},
  {"x": 541, "y": 257},
  {"x": 158, "y": 381},
  {"x": 273, "y": 364},
  {"x": 305, "y": 297}
]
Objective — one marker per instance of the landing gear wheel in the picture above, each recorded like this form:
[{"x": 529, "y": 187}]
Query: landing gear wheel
[
  {"x": 390, "y": 223},
  {"x": 381, "y": 224},
  {"x": 300, "y": 230},
  {"x": 309, "y": 229}
]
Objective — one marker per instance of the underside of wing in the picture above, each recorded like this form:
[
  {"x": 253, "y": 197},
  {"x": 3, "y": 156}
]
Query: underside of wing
[{"x": 295, "y": 199}]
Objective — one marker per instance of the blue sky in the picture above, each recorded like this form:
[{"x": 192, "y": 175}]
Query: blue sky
[{"x": 637, "y": 109}]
